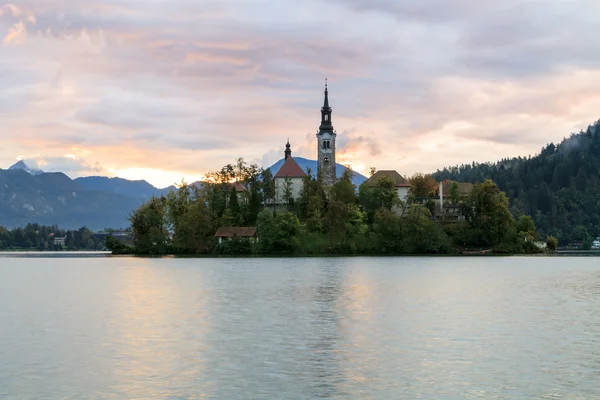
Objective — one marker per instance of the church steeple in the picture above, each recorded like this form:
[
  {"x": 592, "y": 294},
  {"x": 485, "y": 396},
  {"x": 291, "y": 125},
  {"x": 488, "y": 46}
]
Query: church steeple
[
  {"x": 326, "y": 167},
  {"x": 288, "y": 151},
  {"x": 326, "y": 125},
  {"x": 326, "y": 103}
]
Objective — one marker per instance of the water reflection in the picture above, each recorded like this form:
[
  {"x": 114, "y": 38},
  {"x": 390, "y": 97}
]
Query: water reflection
[
  {"x": 159, "y": 325},
  {"x": 441, "y": 328}
]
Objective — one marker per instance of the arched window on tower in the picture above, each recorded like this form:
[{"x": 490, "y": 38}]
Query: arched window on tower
[
  {"x": 326, "y": 117},
  {"x": 326, "y": 160}
]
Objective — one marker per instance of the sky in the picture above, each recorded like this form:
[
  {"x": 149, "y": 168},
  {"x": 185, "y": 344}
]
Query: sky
[{"x": 169, "y": 89}]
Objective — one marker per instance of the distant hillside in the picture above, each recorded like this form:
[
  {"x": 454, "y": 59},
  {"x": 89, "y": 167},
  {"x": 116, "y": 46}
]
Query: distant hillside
[
  {"x": 559, "y": 188},
  {"x": 138, "y": 189},
  {"x": 53, "y": 198},
  {"x": 305, "y": 164}
]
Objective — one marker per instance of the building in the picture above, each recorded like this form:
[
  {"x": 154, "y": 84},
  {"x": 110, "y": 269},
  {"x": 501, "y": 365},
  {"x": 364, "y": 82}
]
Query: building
[
  {"x": 230, "y": 232},
  {"x": 60, "y": 241},
  {"x": 326, "y": 144},
  {"x": 289, "y": 179},
  {"x": 446, "y": 209},
  {"x": 400, "y": 182}
]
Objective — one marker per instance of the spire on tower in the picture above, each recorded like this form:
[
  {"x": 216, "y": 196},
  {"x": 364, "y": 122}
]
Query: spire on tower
[
  {"x": 326, "y": 103},
  {"x": 288, "y": 151}
]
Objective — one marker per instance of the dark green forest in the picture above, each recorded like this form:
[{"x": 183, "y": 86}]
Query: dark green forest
[
  {"x": 559, "y": 188},
  {"x": 41, "y": 237}
]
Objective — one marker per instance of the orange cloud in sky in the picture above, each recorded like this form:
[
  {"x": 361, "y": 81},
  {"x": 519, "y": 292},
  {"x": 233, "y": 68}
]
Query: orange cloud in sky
[{"x": 177, "y": 89}]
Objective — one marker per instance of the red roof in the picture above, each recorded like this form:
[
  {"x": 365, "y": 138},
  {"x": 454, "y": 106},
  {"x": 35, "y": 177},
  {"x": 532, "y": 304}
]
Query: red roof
[
  {"x": 396, "y": 177},
  {"x": 290, "y": 169}
]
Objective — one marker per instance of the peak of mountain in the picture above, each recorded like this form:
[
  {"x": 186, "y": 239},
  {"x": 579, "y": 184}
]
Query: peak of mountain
[
  {"x": 23, "y": 166},
  {"x": 307, "y": 164}
]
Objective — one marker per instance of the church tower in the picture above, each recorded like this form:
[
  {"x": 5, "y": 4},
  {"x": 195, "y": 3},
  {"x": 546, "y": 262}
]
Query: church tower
[{"x": 326, "y": 144}]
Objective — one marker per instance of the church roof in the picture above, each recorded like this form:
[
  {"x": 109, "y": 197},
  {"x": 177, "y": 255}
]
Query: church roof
[
  {"x": 396, "y": 177},
  {"x": 290, "y": 169}
]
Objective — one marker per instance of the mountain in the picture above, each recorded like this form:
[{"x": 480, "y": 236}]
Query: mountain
[
  {"x": 138, "y": 189},
  {"x": 22, "y": 166},
  {"x": 305, "y": 164},
  {"x": 53, "y": 198},
  {"x": 28, "y": 195},
  {"x": 559, "y": 187}
]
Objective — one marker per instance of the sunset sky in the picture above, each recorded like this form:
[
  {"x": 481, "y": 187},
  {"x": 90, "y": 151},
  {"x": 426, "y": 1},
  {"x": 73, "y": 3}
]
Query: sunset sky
[{"x": 165, "y": 89}]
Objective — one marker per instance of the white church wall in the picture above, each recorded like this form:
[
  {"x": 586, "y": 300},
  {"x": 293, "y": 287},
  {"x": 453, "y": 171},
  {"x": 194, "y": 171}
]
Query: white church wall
[{"x": 280, "y": 185}]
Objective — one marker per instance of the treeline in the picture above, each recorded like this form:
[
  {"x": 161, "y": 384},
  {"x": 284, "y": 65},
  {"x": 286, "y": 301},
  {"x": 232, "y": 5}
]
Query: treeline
[
  {"x": 559, "y": 188},
  {"x": 42, "y": 238},
  {"x": 324, "y": 220}
]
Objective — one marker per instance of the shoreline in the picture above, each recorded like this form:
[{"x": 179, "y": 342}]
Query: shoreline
[{"x": 108, "y": 254}]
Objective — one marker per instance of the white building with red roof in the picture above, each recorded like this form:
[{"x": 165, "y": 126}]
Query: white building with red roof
[{"x": 289, "y": 179}]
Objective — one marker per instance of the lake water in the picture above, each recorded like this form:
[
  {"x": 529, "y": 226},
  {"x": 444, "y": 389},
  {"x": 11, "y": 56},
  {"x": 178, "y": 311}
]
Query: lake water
[{"x": 339, "y": 328}]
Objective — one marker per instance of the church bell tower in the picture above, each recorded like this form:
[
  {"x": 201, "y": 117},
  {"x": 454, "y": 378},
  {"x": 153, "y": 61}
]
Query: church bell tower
[{"x": 326, "y": 144}]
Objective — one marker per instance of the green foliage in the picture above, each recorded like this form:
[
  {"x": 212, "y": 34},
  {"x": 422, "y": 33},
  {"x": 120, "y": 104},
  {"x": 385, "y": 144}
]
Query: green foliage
[
  {"x": 332, "y": 220},
  {"x": 526, "y": 226},
  {"x": 278, "y": 234},
  {"x": 421, "y": 187},
  {"x": 551, "y": 243},
  {"x": 149, "y": 225},
  {"x": 116, "y": 246},
  {"x": 41, "y": 237},
  {"x": 268, "y": 184},
  {"x": 454, "y": 193},
  {"x": 489, "y": 217},
  {"x": 236, "y": 246},
  {"x": 381, "y": 196},
  {"x": 559, "y": 188}
]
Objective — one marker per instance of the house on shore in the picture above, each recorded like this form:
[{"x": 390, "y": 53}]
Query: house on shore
[
  {"x": 447, "y": 210},
  {"x": 400, "y": 182},
  {"x": 229, "y": 232}
]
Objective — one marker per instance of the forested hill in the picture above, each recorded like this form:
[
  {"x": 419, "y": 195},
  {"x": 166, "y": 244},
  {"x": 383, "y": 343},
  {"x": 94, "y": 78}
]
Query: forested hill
[{"x": 559, "y": 188}]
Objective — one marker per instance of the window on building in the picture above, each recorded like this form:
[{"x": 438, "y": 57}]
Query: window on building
[
  {"x": 326, "y": 117},
  {"x": 326, "y": 160}
]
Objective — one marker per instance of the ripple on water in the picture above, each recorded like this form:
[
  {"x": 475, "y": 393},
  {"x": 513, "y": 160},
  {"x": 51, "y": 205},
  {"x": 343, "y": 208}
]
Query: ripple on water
[{"x": 343, "y": 328}]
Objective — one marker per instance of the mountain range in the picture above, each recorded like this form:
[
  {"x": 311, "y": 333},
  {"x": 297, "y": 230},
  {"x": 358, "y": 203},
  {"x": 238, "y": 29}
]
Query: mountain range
[{"x": 30, "y": 195}]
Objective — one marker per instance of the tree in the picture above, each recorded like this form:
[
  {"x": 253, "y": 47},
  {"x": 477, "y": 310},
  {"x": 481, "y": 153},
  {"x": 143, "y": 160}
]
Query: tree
[
  {"x": 551, "y": 243},
  {"x": 278, "y": 234},
  {"x": 421, "y": 234},
  {"x": 383, "y": 195},
  {"x": 526, "y": 226},
  {"x": 268, "y": 184},
  {"x": 488, "y": 215},
  {"x": 149, "y": 225},
  {"x": 421, "y": 187},
  {"x": 454, "y": 193},
  {"x": 288, "y": 193}
]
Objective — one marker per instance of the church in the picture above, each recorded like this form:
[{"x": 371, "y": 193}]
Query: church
[{"x": 288, "y": 180}]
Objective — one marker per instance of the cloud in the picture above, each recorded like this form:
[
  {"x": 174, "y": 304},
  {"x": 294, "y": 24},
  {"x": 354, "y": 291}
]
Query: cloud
[
  {"x": 186, "y": 86},
  {"x": 69, "y": 164},
  {"x": 351, "y": 142}
]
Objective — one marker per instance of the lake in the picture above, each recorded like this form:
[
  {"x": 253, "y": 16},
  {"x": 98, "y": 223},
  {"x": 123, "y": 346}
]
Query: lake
[{"x": 300, "y": 328}]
